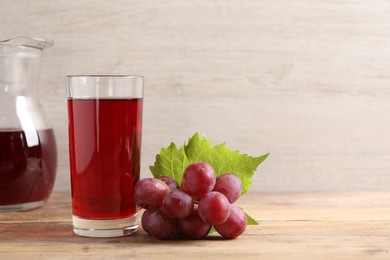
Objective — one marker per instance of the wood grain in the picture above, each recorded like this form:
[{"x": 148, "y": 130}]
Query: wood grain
[
  {"x": 293, "y": 225},
  {"x": 304, "y": 80}
]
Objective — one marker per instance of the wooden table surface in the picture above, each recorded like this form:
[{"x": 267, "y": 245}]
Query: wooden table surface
[{"x": 293, "y": 226}]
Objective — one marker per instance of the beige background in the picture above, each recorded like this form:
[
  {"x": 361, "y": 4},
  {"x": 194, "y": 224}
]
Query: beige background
[{"x": 307, "y": 81}]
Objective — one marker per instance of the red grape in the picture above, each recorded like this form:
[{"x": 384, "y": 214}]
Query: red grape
[
  {"x": 235, "y": 225},
  {"x": 229, "y": 185},
  {"x": 149, "y": 193},
  {"x": 172, "y": 183},
  {"x": 177, "y": 204},
  {"x": 198, "y": 179},
  {"x": 160, "y": 225},
  {"x": 144, "y": 219},
  {"x": 194, "y": 227},
  {"x": 214, "y": 208}
]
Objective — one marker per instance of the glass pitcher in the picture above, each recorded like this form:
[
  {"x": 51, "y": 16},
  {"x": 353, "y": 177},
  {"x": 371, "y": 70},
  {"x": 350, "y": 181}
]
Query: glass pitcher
[{"x": 28, "y": 155}]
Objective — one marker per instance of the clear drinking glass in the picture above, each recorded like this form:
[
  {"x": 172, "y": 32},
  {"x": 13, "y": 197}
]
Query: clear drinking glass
[{"x": 105, "y": 120}]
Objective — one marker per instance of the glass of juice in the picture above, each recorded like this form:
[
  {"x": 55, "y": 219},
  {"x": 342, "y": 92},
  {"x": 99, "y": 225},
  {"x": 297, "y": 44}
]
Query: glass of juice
[{"x": 105, "y": 122}]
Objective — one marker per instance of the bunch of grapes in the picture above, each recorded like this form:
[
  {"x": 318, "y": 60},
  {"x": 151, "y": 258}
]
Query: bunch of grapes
[{"x": 203, "y": 200}]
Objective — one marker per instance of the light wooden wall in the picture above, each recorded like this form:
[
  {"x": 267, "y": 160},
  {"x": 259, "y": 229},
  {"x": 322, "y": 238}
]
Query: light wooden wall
[{"x": 307, "y": 81}]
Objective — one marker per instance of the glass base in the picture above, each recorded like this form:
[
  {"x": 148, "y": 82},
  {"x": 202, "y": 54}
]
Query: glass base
[
  {"x": 104, "y": 228},
  {"x": 22, "y": 206}
]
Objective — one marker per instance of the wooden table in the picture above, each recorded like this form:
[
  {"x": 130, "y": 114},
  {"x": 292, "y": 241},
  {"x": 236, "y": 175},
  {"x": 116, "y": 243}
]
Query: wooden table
[{"x": 293, "y": 226}]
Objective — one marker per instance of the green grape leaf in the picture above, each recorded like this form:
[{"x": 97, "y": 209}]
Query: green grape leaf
[
  {"x": 223, "y": 159},
  {"x": 171, "y": 162},
  {"x": 250, "y": 220}
]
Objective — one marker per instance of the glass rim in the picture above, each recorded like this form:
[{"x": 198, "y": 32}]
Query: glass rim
[{"x": 95, "y": 76}]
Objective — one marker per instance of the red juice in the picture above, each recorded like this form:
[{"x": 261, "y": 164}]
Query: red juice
[
  {"x": 104, "y": 149},
  {"x": 28, "y": 164}
]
